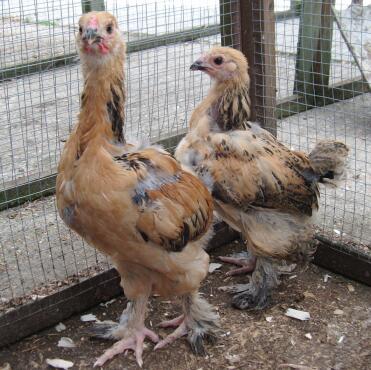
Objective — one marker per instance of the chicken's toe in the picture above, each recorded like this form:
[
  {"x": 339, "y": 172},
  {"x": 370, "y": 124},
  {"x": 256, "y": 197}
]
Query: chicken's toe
[
  {"x": 134, "y": 342},
  {"x": 195, "y": 337},
  {"x": 179, "y": 332},
  {"x": 247, "y": 263},
  {"x": 172, "y": 323},
  {"x": 242, "y": 270},
  {"x": 122, "y": 346}
]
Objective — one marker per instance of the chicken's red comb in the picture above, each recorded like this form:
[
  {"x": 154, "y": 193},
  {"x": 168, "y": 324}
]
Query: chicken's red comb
[{"x": 93, "y": 22}]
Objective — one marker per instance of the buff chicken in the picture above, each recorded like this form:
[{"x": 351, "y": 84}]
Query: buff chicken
[
  {"x": 261, "y": 188},
  {"x": 133, "y": 202}
]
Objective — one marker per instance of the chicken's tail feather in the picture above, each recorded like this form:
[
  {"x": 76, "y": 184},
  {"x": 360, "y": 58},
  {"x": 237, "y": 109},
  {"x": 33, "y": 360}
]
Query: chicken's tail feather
[{"x": 329, "y": 159}]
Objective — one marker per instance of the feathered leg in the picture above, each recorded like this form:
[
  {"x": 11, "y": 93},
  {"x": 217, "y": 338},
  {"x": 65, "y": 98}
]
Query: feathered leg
[
  {"x": 256, "y": 294},
  {"x": 199, "y": 321},
  {"x": 130, "y": 331}
]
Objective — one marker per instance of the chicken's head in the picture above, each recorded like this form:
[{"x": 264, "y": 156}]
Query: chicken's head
[
  {"x": 223, "y": 64},
  {"x": 99, "y": 37}
]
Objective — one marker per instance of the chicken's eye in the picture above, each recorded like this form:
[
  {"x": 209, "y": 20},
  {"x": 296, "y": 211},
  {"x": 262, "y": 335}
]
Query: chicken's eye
[
  {"x": 80, "y": 29},
  {"x": 109, "y": 28},
  {"x": 218, "y": 61}
]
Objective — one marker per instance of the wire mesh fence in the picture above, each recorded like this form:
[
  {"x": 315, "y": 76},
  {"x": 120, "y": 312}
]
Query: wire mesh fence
[
  {"x": 40, "y": 84},
  {"x": 323, "y": 62},
  {"x": 40, "y": 87}
]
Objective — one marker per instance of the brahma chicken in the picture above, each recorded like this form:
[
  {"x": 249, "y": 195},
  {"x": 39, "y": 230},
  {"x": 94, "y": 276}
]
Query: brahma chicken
[
  {"x": 133, "y": 202},
  {"x": 261, "y": 188}
]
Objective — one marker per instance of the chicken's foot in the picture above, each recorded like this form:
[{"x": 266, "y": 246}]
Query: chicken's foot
[
  {"x": 243, "y": 259},
  {"x": 199, "y": 322},
  {"x": 130, "y": 330}
]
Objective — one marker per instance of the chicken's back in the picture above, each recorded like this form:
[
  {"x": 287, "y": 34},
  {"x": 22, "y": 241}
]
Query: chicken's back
[{"x": 260, "y": 187}]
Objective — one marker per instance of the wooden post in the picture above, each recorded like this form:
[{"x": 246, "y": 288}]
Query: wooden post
[
  {"x": 257, "y": 41},
  {"x": 90, "y": 5},
  {"x": 314, "y": 51}
]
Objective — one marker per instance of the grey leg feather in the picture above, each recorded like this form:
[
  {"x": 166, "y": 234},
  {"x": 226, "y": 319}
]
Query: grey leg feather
[
  {"x": 199, "y": 322},
  {"x": 110, "y": 329},
  {"x": 256, "y": 294}
]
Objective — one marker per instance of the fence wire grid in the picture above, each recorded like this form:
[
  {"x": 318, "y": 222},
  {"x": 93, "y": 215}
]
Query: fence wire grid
[
  {"x": 323, "y": 64},
  {"x": 41, "y": 81}
]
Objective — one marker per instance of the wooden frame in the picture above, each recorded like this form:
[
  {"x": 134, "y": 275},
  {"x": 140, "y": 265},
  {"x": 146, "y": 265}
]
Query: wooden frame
[
  {"x": 332, "y": 94},
  {"x": 342, "y": 260}
]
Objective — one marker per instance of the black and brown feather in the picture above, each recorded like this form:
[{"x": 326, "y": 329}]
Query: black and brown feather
[{"x": 159, "y": 192}]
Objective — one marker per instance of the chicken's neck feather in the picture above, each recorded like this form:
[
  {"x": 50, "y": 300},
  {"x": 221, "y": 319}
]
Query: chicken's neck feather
[
  {"x": 232, "y": 110},
  {"x": 102, "y": 112},
  {"x": 227, "y": 105}
]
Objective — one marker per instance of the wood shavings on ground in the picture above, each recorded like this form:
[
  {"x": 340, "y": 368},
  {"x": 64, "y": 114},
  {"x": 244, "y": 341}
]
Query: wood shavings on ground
[
  {"x": 106, "y": 304},
  {"x": 297, "y": 367},
  {"x": 309, "y": 295},
  {"x": 58, "y": 363},
  {"x": 338, "y": 312},
  {"x": 297, "y": 314},
  {"x": 214, "y": 266},
  {"x": 66, "y": 342},
  {"x": 88, "y": 317},
  {"x": 326, "y": 277},
  {"x": 60, "y": 327}
]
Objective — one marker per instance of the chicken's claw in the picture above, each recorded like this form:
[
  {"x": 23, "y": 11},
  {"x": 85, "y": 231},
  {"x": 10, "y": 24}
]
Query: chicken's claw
[{"x": 134, "y": 343}]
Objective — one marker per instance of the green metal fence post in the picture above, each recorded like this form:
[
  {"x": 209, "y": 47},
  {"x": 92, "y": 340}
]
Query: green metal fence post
[
  {"x": 89, "y": 5},
  {"x": 314, "y": 51}
]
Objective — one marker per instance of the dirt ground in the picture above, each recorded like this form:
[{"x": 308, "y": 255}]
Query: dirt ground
[{"x": 337, "y": 336}]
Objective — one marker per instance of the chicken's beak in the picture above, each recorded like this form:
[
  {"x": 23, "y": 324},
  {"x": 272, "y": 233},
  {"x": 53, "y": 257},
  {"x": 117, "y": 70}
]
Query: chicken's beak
[
  {"x": 198, "y": 65},
  {"x": 90, "y": 35}
]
